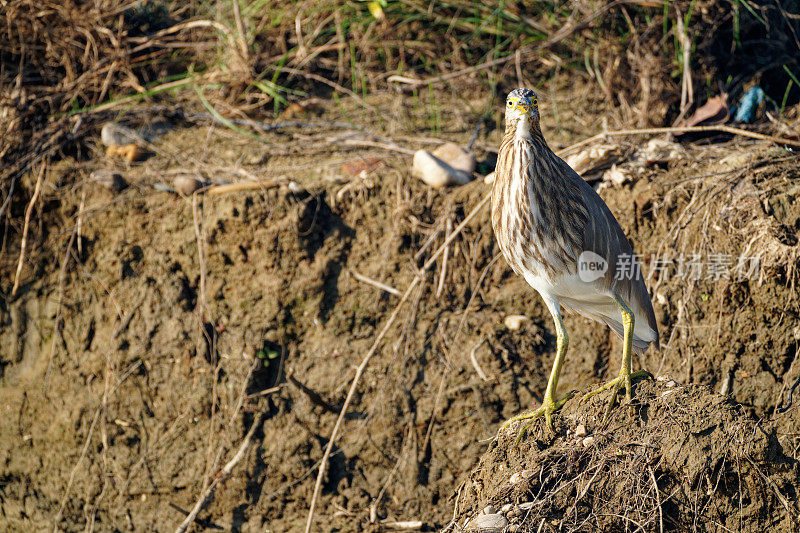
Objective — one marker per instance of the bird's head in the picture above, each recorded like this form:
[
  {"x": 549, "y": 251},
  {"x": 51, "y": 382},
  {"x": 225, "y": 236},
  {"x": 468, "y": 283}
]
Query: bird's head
[{"x": 522, "y": 111}]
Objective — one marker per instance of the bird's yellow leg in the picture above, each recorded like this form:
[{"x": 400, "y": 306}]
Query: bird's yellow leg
[
  {"x": 550, "y": 405},
  {"x": 625, "y": 375}
]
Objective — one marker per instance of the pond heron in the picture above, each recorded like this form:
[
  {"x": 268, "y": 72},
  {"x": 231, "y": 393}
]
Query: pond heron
[{"x": 557, "y": 233}]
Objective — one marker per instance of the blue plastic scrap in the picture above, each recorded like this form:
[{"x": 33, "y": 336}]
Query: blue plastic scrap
[{"x": 746, "y": 110}]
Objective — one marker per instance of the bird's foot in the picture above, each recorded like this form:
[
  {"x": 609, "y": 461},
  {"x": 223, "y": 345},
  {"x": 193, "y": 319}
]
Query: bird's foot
[
  {"x": 547, "y": 409},
  {"x": 615, "y": 385}
]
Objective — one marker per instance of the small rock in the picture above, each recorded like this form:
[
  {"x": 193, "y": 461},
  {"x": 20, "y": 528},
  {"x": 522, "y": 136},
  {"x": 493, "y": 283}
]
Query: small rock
[
  {"x": 489, "y": 179},
  {"x": 520, "y": 476},
  {"x": 114, "y": 134},
  {"x": 514, "y": 322},
  {"x": 436, "y": 172},
  {"x": 456, "y": 157},
  {"x": 580, "y": 431},
  {"x": 489, "y": 509},
  {"x": 588, "y": 441},
  {"x": 507, "y": 508},
  {"x": 109, "y": 179},
  {"x": 187, "y": 185},
  {"x": 487, "y": 523}
]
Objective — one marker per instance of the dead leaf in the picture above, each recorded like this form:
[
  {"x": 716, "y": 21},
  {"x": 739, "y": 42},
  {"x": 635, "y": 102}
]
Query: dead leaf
[{"x": 714, "y": 111}]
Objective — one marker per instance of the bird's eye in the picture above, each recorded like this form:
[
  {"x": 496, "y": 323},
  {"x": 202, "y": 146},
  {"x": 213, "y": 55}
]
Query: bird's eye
[
  {"x": 509, "y": 103},
  {"x": 535, "y": 101}
]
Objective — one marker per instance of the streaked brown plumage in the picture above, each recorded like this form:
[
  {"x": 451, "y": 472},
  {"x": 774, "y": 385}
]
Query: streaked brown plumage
[{"x": 549, "y": 222}]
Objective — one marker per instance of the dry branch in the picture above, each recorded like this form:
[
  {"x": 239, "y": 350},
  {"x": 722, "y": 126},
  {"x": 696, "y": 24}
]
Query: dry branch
[
  {"x": 223, "y": 475},
  {"x": 374, "y": 348},
  {"x": 37, "y": 189}
]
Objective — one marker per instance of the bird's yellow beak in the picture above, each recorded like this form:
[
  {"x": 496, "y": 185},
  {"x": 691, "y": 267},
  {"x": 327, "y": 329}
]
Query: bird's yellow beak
[{"x": 522, "y": 106}]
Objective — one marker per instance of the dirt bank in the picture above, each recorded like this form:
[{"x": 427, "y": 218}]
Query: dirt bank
[{"x": 182, "y": 321}]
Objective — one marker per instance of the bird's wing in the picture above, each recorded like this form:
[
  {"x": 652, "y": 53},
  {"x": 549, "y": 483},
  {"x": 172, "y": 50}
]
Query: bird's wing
[{"x": 604, "y": 236}]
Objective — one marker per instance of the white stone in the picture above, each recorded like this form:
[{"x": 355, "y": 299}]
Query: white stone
[
  {"x": 436, "y": 172},
  {"x": 514, "y": 322},
  {"x": 114, "y": 134},
  {"x": 456, "y": 157},
  {"x": 488, "y": 523}
]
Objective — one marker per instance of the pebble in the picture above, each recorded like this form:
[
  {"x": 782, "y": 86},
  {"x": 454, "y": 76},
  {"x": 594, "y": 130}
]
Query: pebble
[
  {"x": 516, "y": 477},
  {"x": 109, "y": 179},
  {"x": 114, "y": 134},
  {"x": 588, "y": 441},
  {"x": 456, "y": 157},
  {"x": 186, "y": 185},
  {"x": 436, "y": 172},
  {"x": 580, "y": 431},
  {"x": 507, "y": 508},
  {"x": 487, "y": 523},
  {"x": 514, "y": 322},
  {"x": 489, "y": 509}
]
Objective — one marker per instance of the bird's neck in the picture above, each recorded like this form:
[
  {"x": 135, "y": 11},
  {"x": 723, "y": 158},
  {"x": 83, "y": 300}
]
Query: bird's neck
[{"x": 524, "y": 130}]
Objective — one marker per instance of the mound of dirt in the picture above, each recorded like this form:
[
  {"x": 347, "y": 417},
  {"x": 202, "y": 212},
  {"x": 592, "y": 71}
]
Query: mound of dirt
[{"x": 676, "y": 458}]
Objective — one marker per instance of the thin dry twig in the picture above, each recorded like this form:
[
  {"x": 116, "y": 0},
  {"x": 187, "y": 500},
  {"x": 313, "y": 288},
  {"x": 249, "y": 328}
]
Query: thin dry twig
[
  {"x": 443, "y": 273},
  {"x": 687, "y": 91},
  {"x": 474, "y": 360},
  {"x": 373, "y": 349},
  {"x": 374, "y": 283},
  {"x": 199, "y": 233},
  {"x": 223, "y": 475},
  {"x": 57, "y": 518},
  {"x": 686, "y": 129},
  {"x": 244, "y": 186},
  {"x": 23, "y": 245}
]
